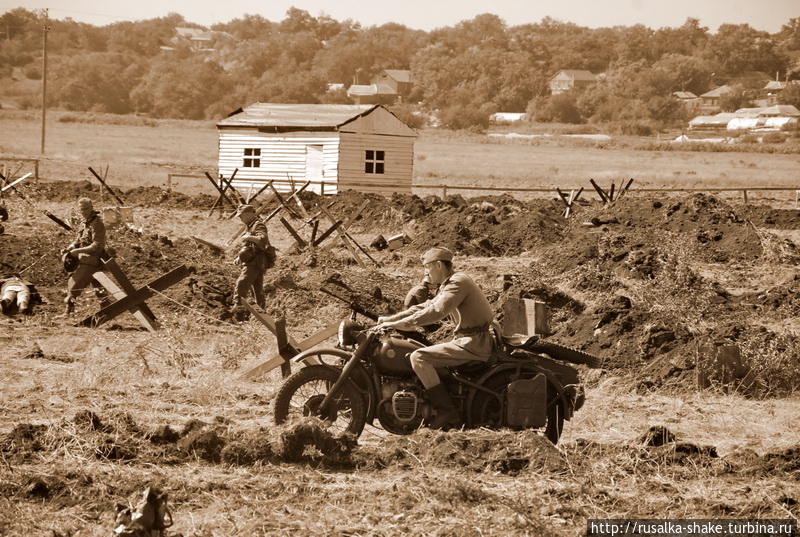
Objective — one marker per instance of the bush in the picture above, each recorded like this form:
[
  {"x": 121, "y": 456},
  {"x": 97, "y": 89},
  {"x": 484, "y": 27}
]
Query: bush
[
  {"x": 470, "y": 117},
  {"x": 634, "y": 128},
  {"x": 561, "y": 108},
  {"x": 773, "y": 138}
]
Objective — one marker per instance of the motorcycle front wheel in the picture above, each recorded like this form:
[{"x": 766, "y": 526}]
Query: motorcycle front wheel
[{"x": 302, "y": 393}]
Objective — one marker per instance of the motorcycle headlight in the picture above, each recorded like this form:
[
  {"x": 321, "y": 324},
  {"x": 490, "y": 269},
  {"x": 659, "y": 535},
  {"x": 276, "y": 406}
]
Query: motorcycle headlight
[{"x": 348, "y": 331}]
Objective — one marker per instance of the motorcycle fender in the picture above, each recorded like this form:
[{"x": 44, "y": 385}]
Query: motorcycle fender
[
  {"x": 526, "y": 404},
  {"x": 360, "y": 377},
  {"x": 311, "y": 356}
]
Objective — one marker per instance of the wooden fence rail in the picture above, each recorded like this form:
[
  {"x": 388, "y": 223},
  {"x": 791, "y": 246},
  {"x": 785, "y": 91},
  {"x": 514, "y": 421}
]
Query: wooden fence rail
[{"x": 445, "y": 188}]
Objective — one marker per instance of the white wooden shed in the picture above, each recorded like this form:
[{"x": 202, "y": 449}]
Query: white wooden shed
[{"x": 337, "y": 147}]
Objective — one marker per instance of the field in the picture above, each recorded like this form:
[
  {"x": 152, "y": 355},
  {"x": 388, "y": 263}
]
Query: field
[
  {"x": 143, "y": 155},
  {"x": 90, "y": 417}
]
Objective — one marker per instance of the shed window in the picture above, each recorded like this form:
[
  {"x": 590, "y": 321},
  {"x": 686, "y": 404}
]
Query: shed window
[
  {"x": 252, "y": 157},
  {"x": 373, "y": 161}
]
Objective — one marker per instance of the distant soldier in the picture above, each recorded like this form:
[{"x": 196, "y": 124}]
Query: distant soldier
[
  {"x": 254, "y": 255},
  {"x": 87, "y": 248},
  {"x": 420, "y": 293}
]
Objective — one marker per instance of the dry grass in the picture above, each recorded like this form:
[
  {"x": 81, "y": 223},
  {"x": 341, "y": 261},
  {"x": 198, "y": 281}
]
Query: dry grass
[{"x": 461, "y": 484}]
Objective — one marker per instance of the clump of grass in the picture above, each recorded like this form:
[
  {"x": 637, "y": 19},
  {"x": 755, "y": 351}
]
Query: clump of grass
[
  {"x": 787, "y": 148},
  {"x": 775, "y": 249},
  {"x": 108, "y": 119},
  {"x": 677, "y": 295},
  {"x": 773, "y": 363}
]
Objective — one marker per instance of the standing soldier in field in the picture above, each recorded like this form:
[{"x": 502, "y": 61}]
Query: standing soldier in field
[
  {"x": 87, "y": 249},
  {"x": 254, "y": 256}
]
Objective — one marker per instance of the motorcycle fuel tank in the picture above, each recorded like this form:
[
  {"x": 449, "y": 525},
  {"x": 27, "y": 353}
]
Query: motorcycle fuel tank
[{"x": 392, "y": 356}]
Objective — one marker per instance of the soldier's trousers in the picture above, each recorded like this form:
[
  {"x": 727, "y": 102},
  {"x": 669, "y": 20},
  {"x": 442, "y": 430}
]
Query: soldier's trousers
[
  {"x": 18, "y": 293},
  {"x": 251, "y": 277},
  {"x": 461, "y": 350},
  {"x": 79, "y": 279}
]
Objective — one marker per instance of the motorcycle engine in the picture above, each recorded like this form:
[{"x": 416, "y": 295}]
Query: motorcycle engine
[
  {"x": 401, "y": 410},
  {"x": 404, "y": 405}
]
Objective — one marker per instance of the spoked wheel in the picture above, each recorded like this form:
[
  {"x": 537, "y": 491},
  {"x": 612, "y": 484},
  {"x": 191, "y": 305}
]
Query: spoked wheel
[
  {"x": 302, "y": 394},
  {"x": 487, "y": 409}
]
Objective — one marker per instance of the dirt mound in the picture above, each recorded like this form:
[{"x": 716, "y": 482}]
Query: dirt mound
[
  {"x": 487, "y": 226},
  {"x": 477, "y": 451},
  {"x": 69, "y": 191}
]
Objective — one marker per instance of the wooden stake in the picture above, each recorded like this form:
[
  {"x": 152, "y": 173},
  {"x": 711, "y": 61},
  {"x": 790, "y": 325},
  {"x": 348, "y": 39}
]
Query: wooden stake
[
  {"x": 600, "y": 192},
  {"x": 293, "y": 233},
  {"x": 343, "y": 238}
]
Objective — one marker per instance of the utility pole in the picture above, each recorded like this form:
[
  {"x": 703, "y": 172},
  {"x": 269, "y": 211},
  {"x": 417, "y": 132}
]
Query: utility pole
[{"x": 45, "y": 29}]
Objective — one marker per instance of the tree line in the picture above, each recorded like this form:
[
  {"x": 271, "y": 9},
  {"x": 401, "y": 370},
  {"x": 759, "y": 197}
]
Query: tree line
[{"x": 463, "y": 72}]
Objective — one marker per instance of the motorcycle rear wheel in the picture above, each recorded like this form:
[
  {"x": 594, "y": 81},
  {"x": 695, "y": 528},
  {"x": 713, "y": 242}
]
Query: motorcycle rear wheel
[
  {"x": 487, "y": 411},
  {"x": 301, "y": 394}
]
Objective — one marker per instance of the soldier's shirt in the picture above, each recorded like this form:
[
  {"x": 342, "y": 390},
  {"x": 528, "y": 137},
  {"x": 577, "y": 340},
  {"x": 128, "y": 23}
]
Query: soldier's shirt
[
  {"x": 92, "y": 233},
  {"x": 458, "y": 296}
]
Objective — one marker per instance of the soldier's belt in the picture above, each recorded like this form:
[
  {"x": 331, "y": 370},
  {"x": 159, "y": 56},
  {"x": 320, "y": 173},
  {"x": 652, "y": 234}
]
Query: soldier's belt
[{"x": 472, "y": 331}]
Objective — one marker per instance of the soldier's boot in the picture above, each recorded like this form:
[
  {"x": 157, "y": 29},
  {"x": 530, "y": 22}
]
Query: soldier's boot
[{"x": 447, "y": 415}]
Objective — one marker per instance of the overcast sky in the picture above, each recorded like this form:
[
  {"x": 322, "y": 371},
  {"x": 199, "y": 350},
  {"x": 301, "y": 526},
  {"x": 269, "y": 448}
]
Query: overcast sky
[{"x": 767, "y": 15}]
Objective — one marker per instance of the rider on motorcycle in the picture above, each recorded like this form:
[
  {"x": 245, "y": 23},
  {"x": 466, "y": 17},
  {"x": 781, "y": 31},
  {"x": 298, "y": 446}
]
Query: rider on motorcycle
[{"x": 460, "y": 297}]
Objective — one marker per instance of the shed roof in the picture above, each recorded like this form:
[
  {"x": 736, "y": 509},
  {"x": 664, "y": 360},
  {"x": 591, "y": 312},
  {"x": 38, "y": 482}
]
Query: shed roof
[
  {"x": 684, "y": 95},
  {"x": 775, "y": 85},
  {"x": 786, "y": 110},
  {"x": 296, "y": 115},
  {"x": 363, "y": 90},
  {"x": 577, "y": 74},
  {"x": 401, "y": 75},
  {"x": 718, "y": 92}
]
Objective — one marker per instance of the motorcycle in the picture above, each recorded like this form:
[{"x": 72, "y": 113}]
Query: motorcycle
[{"x": 368, "y": 376}]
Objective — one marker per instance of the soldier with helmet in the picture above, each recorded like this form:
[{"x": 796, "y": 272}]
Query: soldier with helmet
[
  {"x": 420, "y": 293},
  {"x": 255, "y": 255},
  {"x": 87, "y": 249},
  {"x": 460, "y": 297}
]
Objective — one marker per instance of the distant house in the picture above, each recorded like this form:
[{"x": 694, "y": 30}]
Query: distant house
[
  {"x": 684, "y": 95},
  {"x": 195, "y": 39},
  {"x": 775, "y": 85},
  {"x": 507, "y": 117},
  {"x": 398, "y": 79},
  {"x": 567, "y": 79},
  {"x": 766, "y": 118},
  {"x": 711, "y": 98},
  {"x": 361, "y": 147},
  {"x": 772, "y": 89},
  {"x": 780, "y": 110},
  {"x": 387, "y": 87},
  {"x": 372, "y": 94},
  {"x": 718, "y": 121}
]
